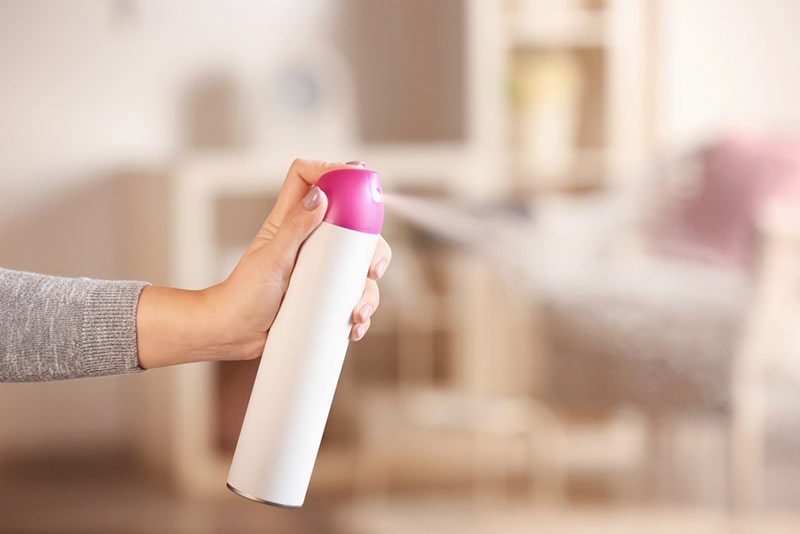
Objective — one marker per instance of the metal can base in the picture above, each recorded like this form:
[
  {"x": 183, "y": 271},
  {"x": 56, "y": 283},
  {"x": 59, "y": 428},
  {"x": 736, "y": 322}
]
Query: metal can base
[{"x": 261, "y": 501}]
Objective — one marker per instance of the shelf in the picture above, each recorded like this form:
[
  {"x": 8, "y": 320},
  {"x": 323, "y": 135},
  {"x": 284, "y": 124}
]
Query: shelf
[
  {"x": 247, "y": 173},
  {"x": 586, "y": 171},
  {"x": 578, "y": 28}
]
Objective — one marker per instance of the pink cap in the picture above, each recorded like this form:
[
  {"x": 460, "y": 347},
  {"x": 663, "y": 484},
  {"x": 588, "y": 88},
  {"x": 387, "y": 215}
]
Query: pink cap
[{"x": 355, "y": 199}]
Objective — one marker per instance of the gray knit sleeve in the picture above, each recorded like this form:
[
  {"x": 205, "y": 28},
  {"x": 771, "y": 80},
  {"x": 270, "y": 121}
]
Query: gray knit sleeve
[{"x": 54, "y": 328}]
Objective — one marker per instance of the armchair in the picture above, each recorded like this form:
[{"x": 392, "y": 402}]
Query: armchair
[{"x": 684, "y": 325}]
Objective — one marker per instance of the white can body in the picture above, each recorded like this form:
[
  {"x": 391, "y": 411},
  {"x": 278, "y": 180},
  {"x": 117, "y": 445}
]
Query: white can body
[{"x": 300, "y": 368}]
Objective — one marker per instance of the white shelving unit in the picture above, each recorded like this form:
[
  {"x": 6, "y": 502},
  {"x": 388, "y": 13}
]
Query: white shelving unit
[
  {"x": 481, "y": 166},
  {"x": 579, "y": 75}
]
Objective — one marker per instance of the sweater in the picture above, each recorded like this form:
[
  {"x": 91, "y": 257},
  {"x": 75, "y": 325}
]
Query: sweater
[{"x": 54, "y": 328}]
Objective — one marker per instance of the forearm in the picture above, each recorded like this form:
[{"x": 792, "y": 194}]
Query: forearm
[
  {"x": 175, "y": 326},
  {"x": 54, "y": 328}
]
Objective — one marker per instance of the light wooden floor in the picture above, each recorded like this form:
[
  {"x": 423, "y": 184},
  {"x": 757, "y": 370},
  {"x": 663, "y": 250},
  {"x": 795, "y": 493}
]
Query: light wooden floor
[
  {"x": 436, "y": 515},
  {"x": 109, "y": 496},
  {"x": 105, "y": 495}
]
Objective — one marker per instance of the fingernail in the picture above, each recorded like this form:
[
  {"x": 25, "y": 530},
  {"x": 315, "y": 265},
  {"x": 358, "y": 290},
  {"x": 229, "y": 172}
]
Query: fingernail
[
  {"x": 312, "y": 199},
  {"x": 360, "y": 331},
  {"x": 365, "y": 312},
  {"x": 380, "y": 268},
  {"x": 356, "y": 162}
]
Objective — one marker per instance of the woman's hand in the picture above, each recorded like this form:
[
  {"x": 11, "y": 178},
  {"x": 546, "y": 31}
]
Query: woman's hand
[{"x": 230, "y": 321}]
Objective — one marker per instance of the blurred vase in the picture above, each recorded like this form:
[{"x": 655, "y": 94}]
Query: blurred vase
[{"x": 547, "y": 91}]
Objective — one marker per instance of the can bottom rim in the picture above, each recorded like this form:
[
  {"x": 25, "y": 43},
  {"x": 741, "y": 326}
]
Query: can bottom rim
[{"x": 261, "y": 501}]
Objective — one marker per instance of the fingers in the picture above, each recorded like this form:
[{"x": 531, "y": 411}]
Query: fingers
[
  {"x": 359, "y": 331},
  {"x": 302, "y": 175},
  {"x": 291, "y": 221},
  {"x": 281, "y": 251},
  {"x": 366, "y": 306},
  {"x": 380, "y": 260},
  {"x": 371, "y": 297}
]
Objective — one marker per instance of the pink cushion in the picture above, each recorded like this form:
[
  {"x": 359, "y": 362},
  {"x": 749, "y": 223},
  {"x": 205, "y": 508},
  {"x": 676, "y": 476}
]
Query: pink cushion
[{"x": 742, "y": 175}]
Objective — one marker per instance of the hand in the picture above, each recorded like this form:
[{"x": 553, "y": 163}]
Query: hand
[{"x": 231, "y": 320}]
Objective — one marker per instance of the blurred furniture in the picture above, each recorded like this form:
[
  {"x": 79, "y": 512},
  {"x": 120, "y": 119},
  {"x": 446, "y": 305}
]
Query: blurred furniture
[
  {"x": 575, "y": 116},
  {"x": 471, "y": 410},
  {"x": 578, "y": 91},
  {"x": 669, "y": 328},
  {"x": 551, "y": 95},
  {"x": 447, "y": 418},
  {"x": 768, "y": 354}
]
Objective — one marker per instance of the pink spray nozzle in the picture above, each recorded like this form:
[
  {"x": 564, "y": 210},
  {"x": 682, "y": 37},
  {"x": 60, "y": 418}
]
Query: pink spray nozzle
[{"x": 354, "y": 199}]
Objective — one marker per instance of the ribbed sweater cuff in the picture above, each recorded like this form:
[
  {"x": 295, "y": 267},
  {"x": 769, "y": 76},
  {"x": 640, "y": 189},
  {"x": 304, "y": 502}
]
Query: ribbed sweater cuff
[{"x": 108, "y": 330}]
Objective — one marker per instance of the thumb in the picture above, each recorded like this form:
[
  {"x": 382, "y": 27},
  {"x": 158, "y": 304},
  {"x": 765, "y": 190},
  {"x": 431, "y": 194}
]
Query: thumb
[{"x": 299, "y": 223}]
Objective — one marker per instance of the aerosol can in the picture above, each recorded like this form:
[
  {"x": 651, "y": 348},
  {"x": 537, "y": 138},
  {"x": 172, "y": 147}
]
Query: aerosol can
[{"x": 306, "y": 345}]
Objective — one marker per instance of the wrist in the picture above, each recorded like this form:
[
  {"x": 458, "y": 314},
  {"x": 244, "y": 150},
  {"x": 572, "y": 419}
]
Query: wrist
[{"x": 174, "y": 326}]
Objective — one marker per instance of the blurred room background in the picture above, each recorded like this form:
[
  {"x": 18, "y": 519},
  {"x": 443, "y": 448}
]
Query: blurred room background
[{"x": 591, "y": 319}]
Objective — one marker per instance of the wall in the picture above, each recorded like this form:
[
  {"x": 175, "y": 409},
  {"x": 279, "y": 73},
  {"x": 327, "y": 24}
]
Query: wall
[
  {"x": 87, "y": 86},
  {"x": 90, "y": 96},
  {"x": 727, "y": 63}
]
